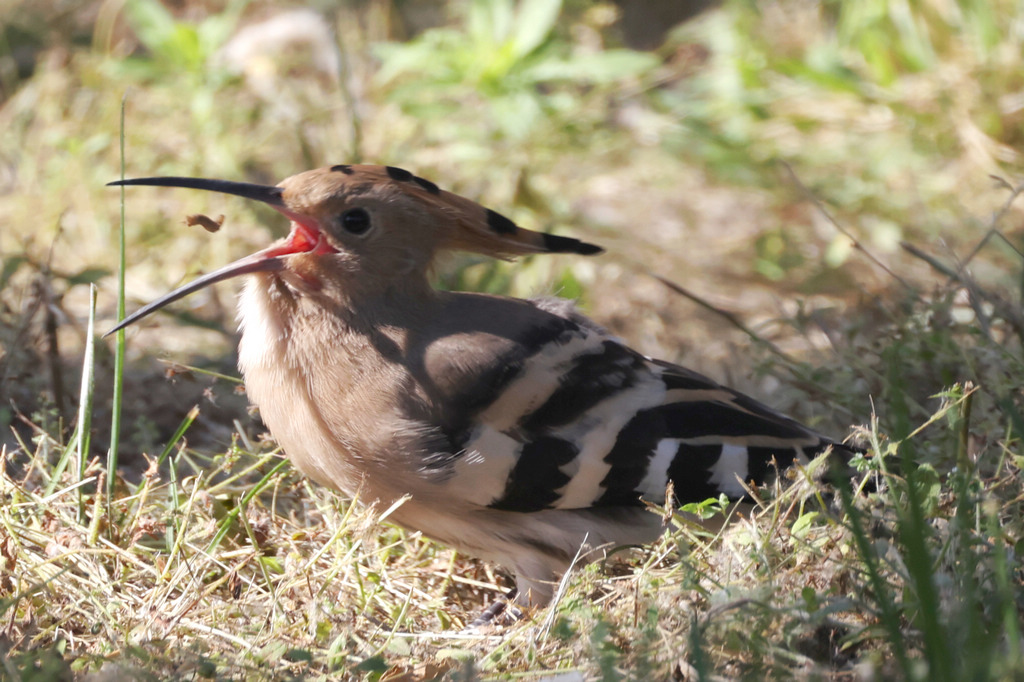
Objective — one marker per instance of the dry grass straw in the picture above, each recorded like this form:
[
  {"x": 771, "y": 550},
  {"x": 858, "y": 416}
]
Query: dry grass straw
[{"x": 234, "y": 567}]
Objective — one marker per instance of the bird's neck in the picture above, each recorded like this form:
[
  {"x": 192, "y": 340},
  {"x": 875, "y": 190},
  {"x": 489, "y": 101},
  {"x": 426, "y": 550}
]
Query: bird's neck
[{"x": 282, "y": 326}]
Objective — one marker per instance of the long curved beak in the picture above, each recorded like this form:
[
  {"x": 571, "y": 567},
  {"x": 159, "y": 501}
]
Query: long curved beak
[
  {"x": 261, "y": 261},
  {"x": 265, "y": 193}
]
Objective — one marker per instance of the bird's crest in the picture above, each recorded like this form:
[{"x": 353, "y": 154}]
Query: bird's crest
[{"x": 469, "y": 226}]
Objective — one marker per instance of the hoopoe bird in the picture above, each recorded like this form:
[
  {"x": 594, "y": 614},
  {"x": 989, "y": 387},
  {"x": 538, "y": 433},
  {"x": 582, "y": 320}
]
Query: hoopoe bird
[{"x": 519, "y": 431}]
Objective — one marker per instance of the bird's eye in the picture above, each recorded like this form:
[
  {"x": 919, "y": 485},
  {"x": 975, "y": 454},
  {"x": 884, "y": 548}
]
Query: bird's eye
[{"x": 355, "y": 221}]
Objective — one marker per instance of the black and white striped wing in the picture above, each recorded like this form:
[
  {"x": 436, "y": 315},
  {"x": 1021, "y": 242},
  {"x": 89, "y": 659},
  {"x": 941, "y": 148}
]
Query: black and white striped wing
[
  {"x": 584, "y": 421},
  {"x": 706, "y": 439}
]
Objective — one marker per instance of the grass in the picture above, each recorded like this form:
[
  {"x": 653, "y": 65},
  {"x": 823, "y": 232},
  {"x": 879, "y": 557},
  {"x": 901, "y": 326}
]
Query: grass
[{"x": 834, "y": 159}]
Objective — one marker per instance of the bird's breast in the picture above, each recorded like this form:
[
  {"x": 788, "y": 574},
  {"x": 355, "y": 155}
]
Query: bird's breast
[{"x": 328, "y": 395}]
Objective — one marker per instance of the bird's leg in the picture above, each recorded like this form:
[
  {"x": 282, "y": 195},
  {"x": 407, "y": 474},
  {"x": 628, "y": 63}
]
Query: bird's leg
[{"x": 502, "y": 612}]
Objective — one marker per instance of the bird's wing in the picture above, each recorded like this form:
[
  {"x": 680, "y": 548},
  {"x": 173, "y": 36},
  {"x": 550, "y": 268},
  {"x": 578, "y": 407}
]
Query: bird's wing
[{"x": 571, "y": 418}]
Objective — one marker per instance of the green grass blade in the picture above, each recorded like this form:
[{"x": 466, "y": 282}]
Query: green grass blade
[
  {"x": 115, "y": 417},
  {"x": 182, "y": 428},
  {"x": 232, "y": 516},
  {"x": 79, "y": 441},
  {"x": 914, "y": 533},
  {"x": 883, "y": 595}
]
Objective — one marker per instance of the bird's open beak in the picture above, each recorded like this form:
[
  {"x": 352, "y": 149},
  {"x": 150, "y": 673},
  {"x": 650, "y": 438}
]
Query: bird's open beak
[{"x": 304, "y": 237}]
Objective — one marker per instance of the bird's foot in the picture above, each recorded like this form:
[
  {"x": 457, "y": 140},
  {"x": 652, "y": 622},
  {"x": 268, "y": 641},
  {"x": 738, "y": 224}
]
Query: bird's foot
[{"x": 502, "y": 612}]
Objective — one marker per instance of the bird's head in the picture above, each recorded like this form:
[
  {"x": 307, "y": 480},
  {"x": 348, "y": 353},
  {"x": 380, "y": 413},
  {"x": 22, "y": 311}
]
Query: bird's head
[{"x": 355, "y": 226}]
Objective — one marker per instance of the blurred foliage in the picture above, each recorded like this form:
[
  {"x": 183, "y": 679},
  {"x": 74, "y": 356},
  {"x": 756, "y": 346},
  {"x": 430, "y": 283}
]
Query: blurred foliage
[
  {"x": 896, "y": 38},
  {"x": 531, "y": 94},
  {"x": 173, "y": 47},
  {"x": 511, "y": 65},
  {"x": 881, "y": 107}
]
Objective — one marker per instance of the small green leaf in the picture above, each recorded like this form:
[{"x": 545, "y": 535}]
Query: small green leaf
[
  {"x": 206, "y": 669},
  {"x": 534, "y": 23},
  {"x": 373, "y": 664},
  {"x": 929, "y": 486},
  {"x": 810, "y": 598},
  {"x": 602, "y": 67},
  {"x": 803, "y": 524},
  {"x": 11, "y": 266}
]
